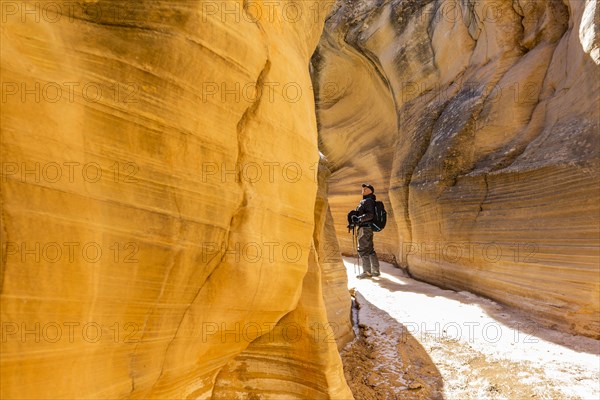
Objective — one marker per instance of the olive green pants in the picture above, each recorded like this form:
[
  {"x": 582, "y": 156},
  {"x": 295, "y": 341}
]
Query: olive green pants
[{"x": 367, "y": 251}]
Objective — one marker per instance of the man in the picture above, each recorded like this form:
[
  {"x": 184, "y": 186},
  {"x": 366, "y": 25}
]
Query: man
[{"x": 365, "y": 212}]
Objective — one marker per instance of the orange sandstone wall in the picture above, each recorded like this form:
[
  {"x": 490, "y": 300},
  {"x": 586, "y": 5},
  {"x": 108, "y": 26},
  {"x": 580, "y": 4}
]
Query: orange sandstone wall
[
  {"x": 477, "y": 122},
  {"x": 138, "y": 254}
]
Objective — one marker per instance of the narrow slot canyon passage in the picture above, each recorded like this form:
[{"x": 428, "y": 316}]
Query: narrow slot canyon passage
[
  {"x": 494, "y": 288},
  {"x": 178, "y": 178}
]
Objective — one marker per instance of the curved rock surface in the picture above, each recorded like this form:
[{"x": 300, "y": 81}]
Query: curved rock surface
[
  {"x": 301, "y": 353},
  {"x": 477, "y": 122},
  {"x": 158, "y": 213}
]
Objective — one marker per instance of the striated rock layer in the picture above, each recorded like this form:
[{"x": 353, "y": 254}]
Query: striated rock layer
[
  {"x": 158, "y": 212},
  {"x": 317, "y": 327},
  {"x": 477, "y": 122}
]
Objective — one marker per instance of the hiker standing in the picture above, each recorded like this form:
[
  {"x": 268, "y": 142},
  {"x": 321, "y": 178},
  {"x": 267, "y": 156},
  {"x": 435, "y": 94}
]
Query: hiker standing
[{"x": 365, "y": 212}]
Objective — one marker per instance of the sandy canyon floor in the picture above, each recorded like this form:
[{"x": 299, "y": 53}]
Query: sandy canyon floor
[{"x": 418, "y": 341}]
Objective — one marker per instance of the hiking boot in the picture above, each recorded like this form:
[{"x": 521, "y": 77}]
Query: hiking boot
[
  {"x": 375, "y": 274},
  {"x": 364, "y": 275}
]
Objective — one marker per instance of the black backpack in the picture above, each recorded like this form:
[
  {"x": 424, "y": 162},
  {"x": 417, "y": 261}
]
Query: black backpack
[{"x": 380, "y": 218}]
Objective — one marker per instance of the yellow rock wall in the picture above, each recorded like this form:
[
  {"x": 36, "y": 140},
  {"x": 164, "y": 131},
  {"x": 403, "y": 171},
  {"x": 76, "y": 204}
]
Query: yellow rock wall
[
  {"x": 158, "y": 192},
  {"x": 477, "y": 122},
  {"x": 299, "y": 358}
]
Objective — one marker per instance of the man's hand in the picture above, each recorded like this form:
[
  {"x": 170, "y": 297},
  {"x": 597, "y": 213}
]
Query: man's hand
[{"x": 355, "y": 219}]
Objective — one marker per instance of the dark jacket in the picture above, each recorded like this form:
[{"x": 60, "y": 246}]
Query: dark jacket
[{"x": 366, "y": 210}]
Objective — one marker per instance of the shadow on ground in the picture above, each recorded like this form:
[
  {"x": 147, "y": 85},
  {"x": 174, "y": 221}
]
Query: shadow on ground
[{"x": 385, "y": 362}]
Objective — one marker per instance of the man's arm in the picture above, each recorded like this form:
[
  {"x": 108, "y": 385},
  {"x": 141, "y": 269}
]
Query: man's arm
[{"x": 366, "y": 210}]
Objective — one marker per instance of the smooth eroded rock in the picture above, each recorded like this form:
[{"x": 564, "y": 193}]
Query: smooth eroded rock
[
  {"x": 158, "y": 191},
  {"x": 477, "y": 123}
]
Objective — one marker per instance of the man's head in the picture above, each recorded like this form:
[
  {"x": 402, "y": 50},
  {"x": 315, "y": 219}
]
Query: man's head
[{"x": 367, "y": 189}]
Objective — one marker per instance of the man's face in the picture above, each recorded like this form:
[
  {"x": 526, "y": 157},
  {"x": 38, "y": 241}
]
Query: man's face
[{"x": 366, "y": 191}]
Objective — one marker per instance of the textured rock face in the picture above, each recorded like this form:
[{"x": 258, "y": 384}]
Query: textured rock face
[
  {"x": 152, "y": 240},
  {"x": 301, "y": 353},
  {"x": 477, "y": 122}
]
